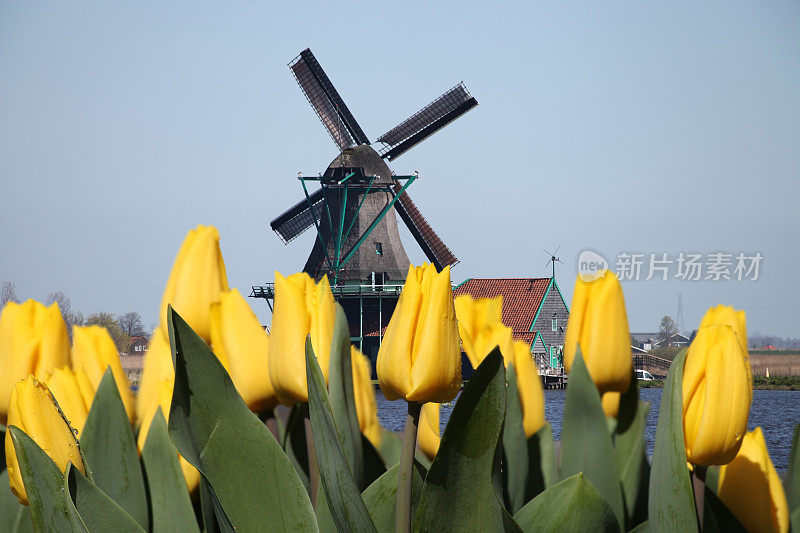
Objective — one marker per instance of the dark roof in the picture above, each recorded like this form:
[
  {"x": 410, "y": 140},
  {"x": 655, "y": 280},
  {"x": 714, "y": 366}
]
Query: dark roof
[{"x": 521, "y": 298}]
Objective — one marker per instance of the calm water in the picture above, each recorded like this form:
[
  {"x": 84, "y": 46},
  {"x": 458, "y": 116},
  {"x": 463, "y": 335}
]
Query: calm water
[{"x": 776, "y": 412}]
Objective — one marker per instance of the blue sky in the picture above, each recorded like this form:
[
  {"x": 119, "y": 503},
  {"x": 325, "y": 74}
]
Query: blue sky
[{"x": 618, "y": 127}]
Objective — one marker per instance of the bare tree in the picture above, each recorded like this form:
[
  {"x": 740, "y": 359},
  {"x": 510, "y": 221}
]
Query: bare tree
[
  {"x": 666, "y": 331},
  {"x": 8, "y": 293},
  {"x": 131, "y": 324},
  {"x": 109, "y": 321}
]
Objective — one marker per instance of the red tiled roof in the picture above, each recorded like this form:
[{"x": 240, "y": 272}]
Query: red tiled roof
[{"x": 521, "y": 298}]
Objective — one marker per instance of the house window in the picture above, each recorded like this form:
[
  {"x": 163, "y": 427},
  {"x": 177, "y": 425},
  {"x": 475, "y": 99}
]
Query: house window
[
  {"x": 554, "y": 324},
  {"x": 379, "y": 248}
]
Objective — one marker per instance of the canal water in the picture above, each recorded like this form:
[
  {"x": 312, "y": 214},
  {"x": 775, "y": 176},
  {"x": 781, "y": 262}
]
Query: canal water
[{"x": 776, "y": 412}]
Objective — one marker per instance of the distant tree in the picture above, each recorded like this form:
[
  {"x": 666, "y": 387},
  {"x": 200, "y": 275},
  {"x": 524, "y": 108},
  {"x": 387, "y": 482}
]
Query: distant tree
[
  {"x": 109, "y": 321},
  {"x": 72, "y": 317},
  {"x": 131, "y": 324},
  {"x": 666, "y": 331},
  {"x": 8, "y": 293}
]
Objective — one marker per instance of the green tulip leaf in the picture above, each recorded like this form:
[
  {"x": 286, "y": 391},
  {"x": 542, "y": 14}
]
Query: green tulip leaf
[
  {"x": 374, "y": 466},
  {"x": 295, "y": 445},
  {"x": 170, "y": 503},
  {"x": 644, "y": 527},
  {"x": 717, "y": 518},
  {"x": 210, "y": 524},
  {"x": 712, "y": 479},
  {"x": 381, "y": 497},
  {"x": 391, "y": 446},
  {"x": 794, "y": 521},
  {"x": 585, "y": 441},
  {"x": 341, "y": 492},
  {"x": 343, "y": 403},
  {"x": 543, "y": 468},
  {"x": 572, "y": 505},
  {"x": 50, "y": 506},
  {"x": 516, "y": 472},
  {"x": 462, "y": 489},
  {"x": 110, "y": 451},
  {"x": 252, "y": 483},
  {"x": 793, "y": 475},
  {"x": 14, "y": 517},
  {"x": 671, "y": 500},
  {"x": 630, "y": 454},
  {"x": 97, "y": 510}
]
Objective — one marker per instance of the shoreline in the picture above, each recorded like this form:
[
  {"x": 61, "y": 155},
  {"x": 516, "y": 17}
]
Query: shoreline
[{"x": 784, "y": 383}]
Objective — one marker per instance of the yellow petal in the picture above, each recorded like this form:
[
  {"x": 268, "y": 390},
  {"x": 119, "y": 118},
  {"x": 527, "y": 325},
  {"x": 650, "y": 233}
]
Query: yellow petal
[
  {"x": 751, "y": 488},
  {"x": 157, "y": 367},
  {"x": 364, "y": 393},
  {"x": 94, "y": 351},
  {"x": 428, "y": 433},
  {"x": 475, "y": 318},
  {"x": 33, "y": 410},
  {"x": 238, "y": 338},
  {"x": 611, "y": 403},
  {"x": 197, "y": 278},
  {"x": 529, "y": 385},
  {"x": 33, "y": 340},
  {"x": 63, "y": 383}
]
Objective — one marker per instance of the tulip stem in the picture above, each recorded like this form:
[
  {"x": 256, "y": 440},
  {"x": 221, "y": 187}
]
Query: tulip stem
[
  {"x": 313, "y": 467},
  {"x": 406, "y": 470},
  {"x": 699, "y": 487}
]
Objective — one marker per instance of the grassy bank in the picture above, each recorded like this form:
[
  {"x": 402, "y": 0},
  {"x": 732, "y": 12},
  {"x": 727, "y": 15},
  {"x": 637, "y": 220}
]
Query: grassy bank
[{"x": 759, "y": 382}]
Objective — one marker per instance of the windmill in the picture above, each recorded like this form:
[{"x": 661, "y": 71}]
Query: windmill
[
  {"x": 552, "y": 259},
  {"x": 353, "y": 208}
]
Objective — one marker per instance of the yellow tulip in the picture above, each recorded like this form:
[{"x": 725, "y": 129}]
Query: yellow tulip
[
  {"x": 157, "y": 367},
  {"x": 93, "y": 350},
  {"x": 477, "y": 325},
  {"x": 611, "y": 404},
  {"x": 302, "y": 308},
  {"x": 33, "y": 410},
  {"x": 717, "y": 390},
  {"x": 33, "y": 340},
  {"x": 74, "y": 393},
  {"x": 197, "y": 278},
  {"x": 751, "y": 488},
  {"x": 599, "y": 325},
  {"x": 529, "y": 385},
  {"x": 163, "y": 398},
  {"x": 420, "y": 358},
  {"x": 241, "y": 343},
  {"x": 428, "y": 436},
  {"x": 364, "y": 393}
]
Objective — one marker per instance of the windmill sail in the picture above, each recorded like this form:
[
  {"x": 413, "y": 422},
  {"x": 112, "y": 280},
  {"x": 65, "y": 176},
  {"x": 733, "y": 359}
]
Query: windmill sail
[
  {"x": 427, "y": 121},
  {"x": 323, "y": 97},
  {"x": 437, "y": 252},
  {"x": 298, "y": 218}
]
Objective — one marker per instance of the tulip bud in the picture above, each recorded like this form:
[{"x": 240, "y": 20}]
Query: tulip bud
[
  {"x": 477, "y": 321},
  {"x": 33, "y": 340},
  {"x": 163, "y": 398},
  {"x": 599, "y": 325},
  {"x": 428, "y": 436},
  {"x": 751, "y": 488},
  {"x": 197, "y": 278},
  {"x": 302, "y": 308},
  {"x": 364, "y": 393},
  {"x": 94, "y": 351},
  {"x": 717, "y": 389},
  {"x": 529, "y": 385},
  {"x": 157, "y": 367},
  {"x": 610, "y": 402},
  {"x": 74, "y": 393},
  {"x": 33, "y": 410},
  {"x": 241, "y": 343},
  {"x": 420, "y": 358}
]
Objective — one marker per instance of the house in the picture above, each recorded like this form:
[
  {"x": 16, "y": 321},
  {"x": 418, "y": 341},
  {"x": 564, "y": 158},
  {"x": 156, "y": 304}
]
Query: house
[
  {"x": 648, "y": 341},
  {"x": 138, "y": 345},
  {"x": 533, "y": 308}
]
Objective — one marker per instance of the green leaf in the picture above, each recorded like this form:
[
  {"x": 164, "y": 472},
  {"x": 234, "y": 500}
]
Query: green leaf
[
  {"x": 381, "y": 497},
  {"x": 210, "y": 524},
  {"x": 460, "y": 491},
  {"x": 343, "y": 403},
  {"x": 252, "y": 481},
  {"x": 542, "y": 458},
  {"x": 630, "y": 454},
  {"x": 374, "y": 466},
  {"x": 110, "y": 451},
  {"x": 50, "y": 506},
  {"x": 712, "y": 479},
  {"x": 516, "y": 471},
  {"x": 671, "y": 500},
  {"x": 14, "y": 517},
  {"x": 97, "y": 510},
  {"x": 341, "y": 492},
  {"x": 170, "y": 503},
  {"x": 585, "y": 442},
  {"x": 391, "y": 446},
  {"x": 295, "y": 445},
  {"x": 793, "y": 475},
  {"x": 572, "y": 505},
  {"x": 717, "y": 518},
  {"x": 794, "y": 521}
]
